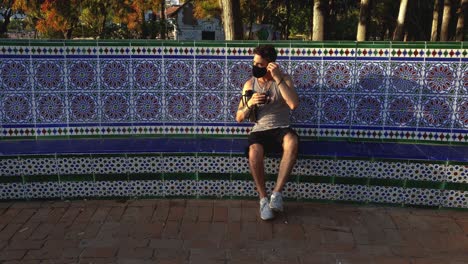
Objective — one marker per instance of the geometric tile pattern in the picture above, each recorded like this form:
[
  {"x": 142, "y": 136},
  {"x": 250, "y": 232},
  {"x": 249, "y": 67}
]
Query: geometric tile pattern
[
  {"x": 400, "y": 92},
  {"x": 386, "y": 91},
  {"x": 375, "y": 181}
]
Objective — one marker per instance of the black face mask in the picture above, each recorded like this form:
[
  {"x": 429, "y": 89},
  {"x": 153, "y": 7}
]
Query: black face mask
[{"x": 258, "y": 72}]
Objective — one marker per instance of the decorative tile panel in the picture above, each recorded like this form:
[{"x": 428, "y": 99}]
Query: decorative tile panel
[{"x": 378, "y": 91}]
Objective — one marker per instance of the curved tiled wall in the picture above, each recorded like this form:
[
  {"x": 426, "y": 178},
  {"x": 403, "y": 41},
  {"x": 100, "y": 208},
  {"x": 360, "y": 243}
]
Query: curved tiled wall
[{"x": 382, "y": 92}]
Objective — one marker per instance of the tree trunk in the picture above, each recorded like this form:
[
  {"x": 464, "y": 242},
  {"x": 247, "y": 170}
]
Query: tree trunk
[
  {"x": 6, "y": 16},
  {"x": 444, "y": 30},
  {"x": 288, "y": 15},
  {"x": 330, "y": 24},
  {"x": 318, "y": 20},
  {"x": 163, "y": 20},
  {"x": 435, "y": 21},
  {"x": 461, "y": 21},
  {"x": 363, "y": 20},
  {"x": 232, "y": 20},
  {"x": 399, "y": 30},
  {"x": 252, "y": 15}
]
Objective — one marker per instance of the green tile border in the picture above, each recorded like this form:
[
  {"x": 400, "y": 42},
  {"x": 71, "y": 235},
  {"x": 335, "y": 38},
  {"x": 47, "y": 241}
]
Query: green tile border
[
  {"x": 179, "y": 176},
  {"x": 146, "y": 177},
  {"x": 111, "y": 177},
  {"x": 214, "y": 176},
  {"x": 40, "y": 178},
  {"x": 11, "y": 179},
  {"x": 76, "y": 178}
]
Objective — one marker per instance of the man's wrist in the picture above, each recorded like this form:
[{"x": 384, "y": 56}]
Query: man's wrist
[{"x": 280, "y": 80}]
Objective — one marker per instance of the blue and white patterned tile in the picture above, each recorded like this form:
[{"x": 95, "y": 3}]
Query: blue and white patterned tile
[
  {"x": 406, "y": 77},
  {"x": 316, "y": 191},
  {"x": 243, "y": 188},
  {"x": 51, "y": 108},
  {"x": 308, "y": 110},
  {"x": 461, "y": 113},
  {"x": 402, "y": 111},
  {"x": 75, "y": 165},
  {"x": 335, "y": 109},
  {"x": 180, "y": 164},
  {"x": 372, "y": 77},
  {"x": 112, "y": 188},
  {"x": 180, "y": 107},
  {"x": 78, "y": 189},
  {"x": 271, "y": 165},
  {"x": 426, "y": 172},
  {"x": 436, "y": 112},
  {"x": 114, "y": 75},
  {"x": 455, "y": 199},
  {"x": 368, "y": 110},
  {"x": 15, "y": 75},
  {"x": 17, "y": 108},
  {"x": 11, "y": 167},
  {"x": 148, "y": 107},
  {"x": 179, "y": 74},
  {"x": 148, "y": 74},
  {"x": 457, "y": 173},
  {"x": 49, "y": 74},
  {"x": 12, "y": 191},
  {"x": 210, "y": 75},
  {"x": 210, "y": 107},
  {"x": 43, "y": 190},
  {"x": 84, "y": 107},
  {"x": 240, "y": 164},
  {"x": 389, "y": 170},
  {"x": 139, "y": 188},
  {"x": 116, "y": 107},
  {"x": 430, "y": 197},
  {"x": 218, "y": 188},
  {"x": 110, "y": 165},
  {"x": 39, "y": 166},
  {"x": 239, "y": 71},
  {"x": 386, "y": 194},
  {"x": 352, "y": 168},
  {"x": 290, "y": 190},
  {"x": 145, "y": 164},
  {"x": 233, "y": 99},
  {"x": 213, "y": 164},
  {"x": 180, "y": 187},
  {"x": 463, "y": 80},
  {"x": 440, "y": 77},
  {"x": 338, "y": 77},
  {"x": 306, "y": 76},
  {"x": 82, "y": 75}
]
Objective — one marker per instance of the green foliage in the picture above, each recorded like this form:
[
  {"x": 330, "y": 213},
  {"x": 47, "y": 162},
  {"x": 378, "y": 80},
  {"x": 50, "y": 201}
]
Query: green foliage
[{"x": 124, "y": 18}]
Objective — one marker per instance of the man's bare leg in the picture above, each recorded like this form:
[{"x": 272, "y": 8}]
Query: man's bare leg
[
  {"x": 290, "y": 147},
  {"x": 256, "y": 163}
]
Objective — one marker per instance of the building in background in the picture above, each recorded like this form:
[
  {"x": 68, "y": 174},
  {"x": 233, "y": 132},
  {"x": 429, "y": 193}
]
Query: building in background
[{"x": 187, "y": 27}]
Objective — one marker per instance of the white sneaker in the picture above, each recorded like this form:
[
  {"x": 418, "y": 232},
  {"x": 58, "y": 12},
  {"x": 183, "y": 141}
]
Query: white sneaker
[
  {"x": 265, "y": 211},
  {"x": 276, "y": 202}
]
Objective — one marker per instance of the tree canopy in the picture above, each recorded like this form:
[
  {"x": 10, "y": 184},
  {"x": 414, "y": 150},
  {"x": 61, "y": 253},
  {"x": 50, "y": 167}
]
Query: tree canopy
[{"x": 290, "y": 18}]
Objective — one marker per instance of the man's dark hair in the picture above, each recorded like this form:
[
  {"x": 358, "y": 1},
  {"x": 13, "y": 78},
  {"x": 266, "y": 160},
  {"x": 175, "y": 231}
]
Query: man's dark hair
[{"x": 267, "y": 52}]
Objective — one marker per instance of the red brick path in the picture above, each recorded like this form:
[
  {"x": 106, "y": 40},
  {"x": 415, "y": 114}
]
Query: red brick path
[{"x": 227, "y": 231}]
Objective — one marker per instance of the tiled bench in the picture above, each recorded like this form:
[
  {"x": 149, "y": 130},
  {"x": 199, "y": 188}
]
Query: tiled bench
[{"x": 413, "y": 174}]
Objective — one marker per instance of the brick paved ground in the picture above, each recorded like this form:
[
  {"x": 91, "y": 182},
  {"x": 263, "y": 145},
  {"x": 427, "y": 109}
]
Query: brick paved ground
[{"x": 227, "y": 231}]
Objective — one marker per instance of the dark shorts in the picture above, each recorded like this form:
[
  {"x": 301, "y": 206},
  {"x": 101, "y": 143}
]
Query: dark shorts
[{"x": 271, "y": 140}]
